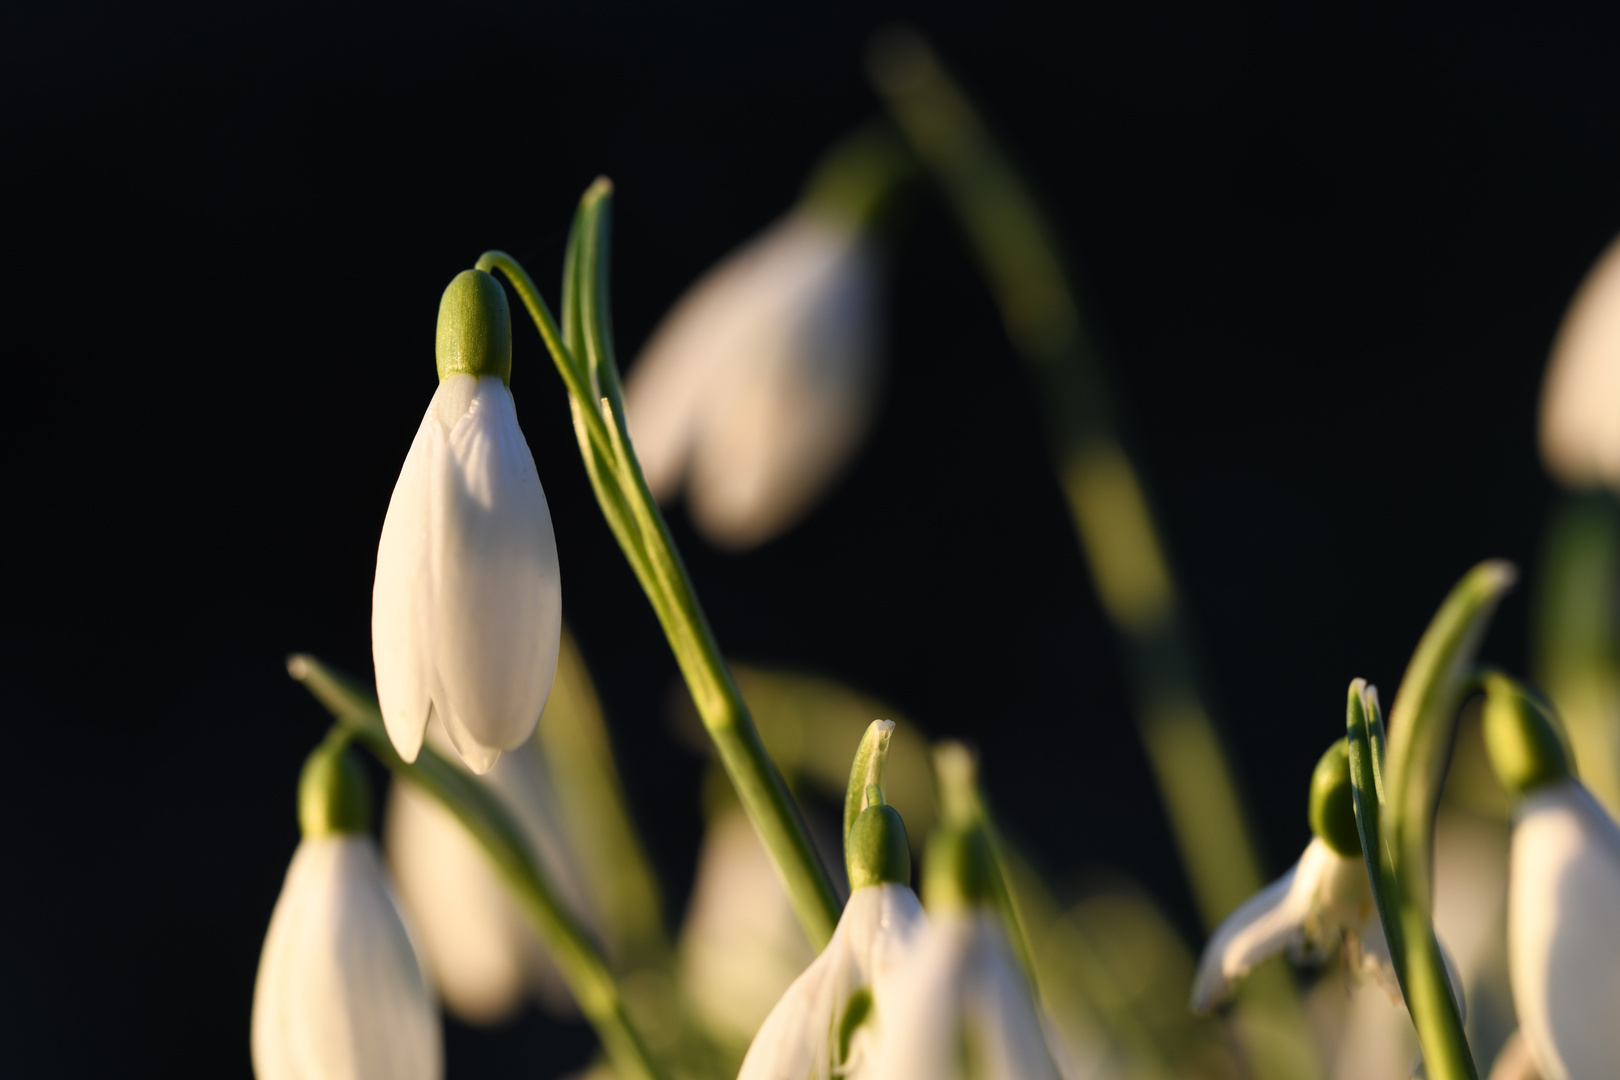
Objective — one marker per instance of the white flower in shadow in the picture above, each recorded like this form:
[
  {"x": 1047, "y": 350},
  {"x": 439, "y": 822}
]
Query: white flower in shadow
[
  {"x": 1323, "y": 901},
  {"x": 1564, "y": 931},
  {"x": 758, "y": 385},
  {"x": 467, "y": 606},
  {"x": 340, "y": 993},
  {"x": 483, "y": 953}
]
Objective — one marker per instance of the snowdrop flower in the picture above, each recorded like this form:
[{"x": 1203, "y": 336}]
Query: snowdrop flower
[
  {"x": 826, "y": 1024},
  {"x": 482, "y": 952},
  {"x": 340, "y": 994},
  {"x": 1563, "y": 895},
  {"x": 960, "y": 1008},
  {"x": 1580, "y": 401},
  {"x": 466, "y": 610},
  {"x": 759, "y": 384},
  {"x": 1324, "y": 900}
]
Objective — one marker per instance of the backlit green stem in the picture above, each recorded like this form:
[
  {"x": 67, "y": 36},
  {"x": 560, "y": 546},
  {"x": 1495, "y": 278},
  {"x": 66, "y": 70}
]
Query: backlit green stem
[
  {"x": 583, "y": 352},
  {"x": 577, "y": 956},
  {"x": 1423, "y": 722}
]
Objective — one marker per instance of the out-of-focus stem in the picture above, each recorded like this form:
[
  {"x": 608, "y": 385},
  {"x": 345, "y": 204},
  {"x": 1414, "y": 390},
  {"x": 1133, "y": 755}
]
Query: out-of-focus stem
[{"x": 1019, "y": 256}]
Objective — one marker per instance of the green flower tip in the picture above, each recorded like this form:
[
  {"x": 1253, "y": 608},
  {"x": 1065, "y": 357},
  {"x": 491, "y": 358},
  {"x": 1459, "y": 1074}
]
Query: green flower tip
[
  {"x": 333, "y": 795},
  {"x": 475, "y": 328},
  {"x": 1333, "y": 807},
  {"x": 877, "y": 850},
  {"x": 1522, "y": 738},
  {"x": 959, "y": 872}
]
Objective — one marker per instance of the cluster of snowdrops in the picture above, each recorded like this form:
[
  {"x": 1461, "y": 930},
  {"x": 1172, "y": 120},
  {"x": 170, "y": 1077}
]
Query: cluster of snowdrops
[{"x": 513, "y": 866}]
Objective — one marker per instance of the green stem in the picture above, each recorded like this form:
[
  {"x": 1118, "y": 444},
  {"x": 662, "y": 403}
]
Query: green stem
[
  {"x": 577, "y": 956},
  {"x": 1018, "y": 253},
  {"x": 1423, "y": 721},
  {"x": 583, "y": 352}
]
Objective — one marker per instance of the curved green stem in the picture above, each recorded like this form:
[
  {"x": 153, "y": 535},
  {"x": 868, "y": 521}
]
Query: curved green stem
[
  {"x": 577, "y": 955},
  {"x": 583, "y": 352},
  {"x": 1018, "y": 253}
]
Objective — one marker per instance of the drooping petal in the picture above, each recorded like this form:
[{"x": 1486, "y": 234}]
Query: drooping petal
[
  {"x": 1263, "y": 926},
  {"x": 481, "y": 951},
  {"x": 472, "y": 936},
  {"x": 401, "y": 597},
  {"x": 497, "y": 595},
  {"x": 760, "y": 382},
  {"x": 1564, "y": 931},
  {"x": 1580, "y": 420},
  {"x": 340, "y": 994},
  {"x": 781, "y": 427},
  {"x": 960, "y": 1009},
  {"x": 825, "y": 1025},
  {"x": 741, "y": 946}
]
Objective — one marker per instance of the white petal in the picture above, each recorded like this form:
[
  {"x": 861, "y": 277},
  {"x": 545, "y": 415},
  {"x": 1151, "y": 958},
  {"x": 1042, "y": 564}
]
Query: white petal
[
  {"x": 1564, "y": 932},
  {"x": 960, "y": 994},
  {"x": 473, "y": 938},
  {"x": 340, "y": 994},
  {"x": 497, "y": 595},
  {"x": 797, "y": 1040},
  {"x": 1580, "y": 404},
  {"x": 1263, "y": 926},
  {"x": 742, "y": 945},
  {"x": 761, "y": 379},
  {"x": 401, "y": 604}
]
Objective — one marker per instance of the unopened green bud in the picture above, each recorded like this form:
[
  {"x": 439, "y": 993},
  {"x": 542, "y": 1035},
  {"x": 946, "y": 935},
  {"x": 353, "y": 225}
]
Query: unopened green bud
[
  {"x": 959, "y": 872},
  {"x": 333, "y": 795},
  {"x": 877, "y": 849},
  {"x": 1521, "y": 737},
  {"x": 1333, "y": 803},
  {"x": 475, "y": 328}
]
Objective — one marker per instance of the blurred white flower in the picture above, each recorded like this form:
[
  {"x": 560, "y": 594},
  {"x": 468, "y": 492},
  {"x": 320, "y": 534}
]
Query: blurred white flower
[
  {"x": 1564, "y": 931},
  {"x": 1325, "y": 899},
  {"x": 758, "y": 385},
  {"x": 960, "y": 1008},
  {"x": 825, "y": 1025},
  {"x": 340, "y": 993},
  {"x": 467, "y": 606},
  {"x": 483, "y": 954},
  {"x": 742, "y": 945},
  {"x": 1580, "y": 402}
]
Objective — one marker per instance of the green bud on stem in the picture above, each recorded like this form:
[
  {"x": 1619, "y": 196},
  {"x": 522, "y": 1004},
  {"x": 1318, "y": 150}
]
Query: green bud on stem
[
  {"x": 1333, "y": 806},
  {"x": 877, "y": 851},
  {"x": 333, "y": 795},
  {"x": 475, "y": 328},
  {"x": 1522, "y": 738}
]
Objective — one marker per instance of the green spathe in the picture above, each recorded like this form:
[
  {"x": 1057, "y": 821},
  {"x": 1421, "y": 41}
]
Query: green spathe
[
  {"x": 876, "y": 849},
  {"x": 333, "y": 795},
  {"x": 1333, "y": 808},
  {"x": 475, "y": 328},
  {"x": 1521, "y": 738}
]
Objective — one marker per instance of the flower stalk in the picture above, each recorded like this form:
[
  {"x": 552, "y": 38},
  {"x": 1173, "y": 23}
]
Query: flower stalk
[
  {"x": 577, "y": 955},
  {"x": 1396, "y": 799},
  {"x": 582, "y": 350}
]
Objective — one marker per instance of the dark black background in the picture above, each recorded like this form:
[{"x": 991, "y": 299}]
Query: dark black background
[{"x": 1326, "y": 251}]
